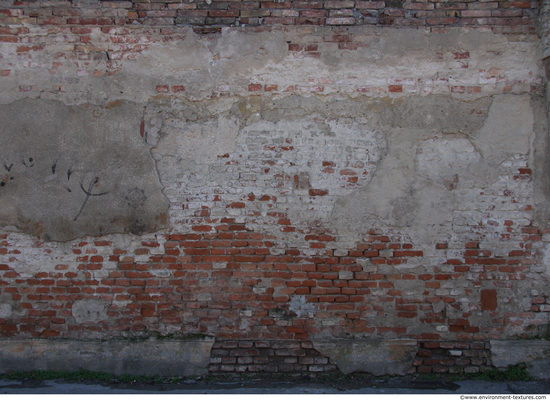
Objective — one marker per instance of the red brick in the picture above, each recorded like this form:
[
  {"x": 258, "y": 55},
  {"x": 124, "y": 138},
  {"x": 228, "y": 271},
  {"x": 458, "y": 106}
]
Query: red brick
[
  {"x": 489, "y": 300},
  {"x": 272, "y": 4},
  {"x": 340, "y": 21},
  {"x": 318, "y": 192},
  {"x": 223, "y": 13},
  {"x": 408, "y": 315},
  {"x": 254, "y": 87},
  {"x": 373, "y": 5},
  {"x": 440, "y": 21},
  {"x": 424, "y": 353},
  {"x": 6, "y": 39},
  {"x": 516, "y": 4},
  {"x": 461, "y": 55},
  {"x": 400, "y": 254},
  {"x": 313, "y": 13},
  {"x": 418, "y": 6},
  {"x": 339, "y": 4}
]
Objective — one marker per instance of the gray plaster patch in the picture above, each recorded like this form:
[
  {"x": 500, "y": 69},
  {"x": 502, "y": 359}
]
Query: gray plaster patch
[
  {"x": 286, "y": 149},
  {"x": 5, "y": 310},
  {"x": 443, "y": 159},
  {"x": 535, "y": 353},
  {"x": 70, "y": 171},
  {"x": 541, "y": 150},
  {"x": 372, "y": 356},
  {"x": 507, "y": 130},
  {"x": 86, "y": 311},
  {"x": 456, "y": 146},
  {"x": 546, "y": 259},
  {"x": 300, "y": 306},
  {"x": 197, "y": 143},
  {"x": 184, "y": 55},
  {"x": 436, "y": 114}
]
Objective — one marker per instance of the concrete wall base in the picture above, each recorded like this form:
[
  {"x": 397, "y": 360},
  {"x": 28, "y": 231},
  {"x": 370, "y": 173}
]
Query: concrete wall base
[
  {"x": 372, "y": 356},
  {"x": 151, "y": 357},
  {"x": 534, "y": 353}
]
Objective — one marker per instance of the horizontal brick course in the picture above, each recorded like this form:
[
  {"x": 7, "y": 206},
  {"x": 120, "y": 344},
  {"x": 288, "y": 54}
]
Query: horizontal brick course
[
  {"x": 275, "y": 356},
  {"x": 479, "y": 13}
]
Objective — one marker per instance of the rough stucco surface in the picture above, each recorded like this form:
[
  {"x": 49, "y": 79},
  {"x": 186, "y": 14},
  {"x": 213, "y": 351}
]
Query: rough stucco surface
[
  {"x": 434, "y": 165},
  {"x": 534, "y": 353},
  {"x": 372, "y": 356},
  {"x": 75, "y": 171},
  {"x": 229, "y": 61},
  {"x": 142, "y": 358},
  {"x": 262, "y": 185}
]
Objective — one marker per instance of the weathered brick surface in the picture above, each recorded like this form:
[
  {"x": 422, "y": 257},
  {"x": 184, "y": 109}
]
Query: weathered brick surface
[
  {"x": 275, "y": 357},
  {"x": 251, "y": 255},
  {"x": 183, "y": 286},
  {"x": 507, "y": 16},
  {"x": 449, "y": 357}
]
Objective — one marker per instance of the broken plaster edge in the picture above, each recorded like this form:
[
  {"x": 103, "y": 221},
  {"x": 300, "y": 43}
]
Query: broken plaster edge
[{"x": 378, "y": 357}]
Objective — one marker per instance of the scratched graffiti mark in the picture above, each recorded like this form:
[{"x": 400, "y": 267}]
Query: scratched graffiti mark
[
  {"x": 89, "y": 194},
  {"x": 135, "y": 197},
  {"x": 66, "y": 172},
  {"x": 69, "y": 173},
  {"x": 28, "y": 162}
]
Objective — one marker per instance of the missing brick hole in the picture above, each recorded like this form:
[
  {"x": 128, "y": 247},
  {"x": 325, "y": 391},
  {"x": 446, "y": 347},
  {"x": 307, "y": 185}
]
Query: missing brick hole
[{"x": 207, "y": 31}]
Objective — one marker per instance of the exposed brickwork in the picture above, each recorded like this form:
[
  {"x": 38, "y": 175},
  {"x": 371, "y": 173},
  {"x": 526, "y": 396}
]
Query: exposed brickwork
[
  {"x": 230, "y": 284},
  {"x": 241, "y": 245},
  {"x": 212, "y": 283},
  {"x": 502, "y": 16},
  {"x": 268, "y": 356},
  {"x": 452, "y": 357},
  {"x": 95, "y": 53}
]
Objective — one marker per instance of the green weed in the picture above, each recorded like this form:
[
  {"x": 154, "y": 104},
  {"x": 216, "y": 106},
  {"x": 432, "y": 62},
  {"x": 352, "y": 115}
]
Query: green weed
[
  {"x": 80, "y": 375},
  {"x": 126, "y": 378},
  {"x": 512, "y": 373}
]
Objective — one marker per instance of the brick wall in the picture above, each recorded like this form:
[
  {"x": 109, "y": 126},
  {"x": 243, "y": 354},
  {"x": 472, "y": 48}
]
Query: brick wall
[
  {"x": 183, "y": 287},
  {"x": 251, "y": 255},
  {"x": 502, "y": 16},
  {"x": 268, "y": 356}
]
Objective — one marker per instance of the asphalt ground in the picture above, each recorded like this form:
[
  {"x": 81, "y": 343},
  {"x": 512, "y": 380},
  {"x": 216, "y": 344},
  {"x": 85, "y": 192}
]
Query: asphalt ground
[{"x": 280, "y": 385}]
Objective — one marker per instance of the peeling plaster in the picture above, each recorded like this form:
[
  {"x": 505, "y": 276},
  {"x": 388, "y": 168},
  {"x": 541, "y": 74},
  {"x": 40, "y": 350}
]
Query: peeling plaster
[{"x": 456, "y": 152}]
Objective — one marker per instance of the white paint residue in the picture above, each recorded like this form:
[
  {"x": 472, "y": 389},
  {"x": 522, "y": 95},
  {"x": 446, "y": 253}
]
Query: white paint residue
[
  {"x": 300, "y": 306},
  {"x": 5, "y": 310}
]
